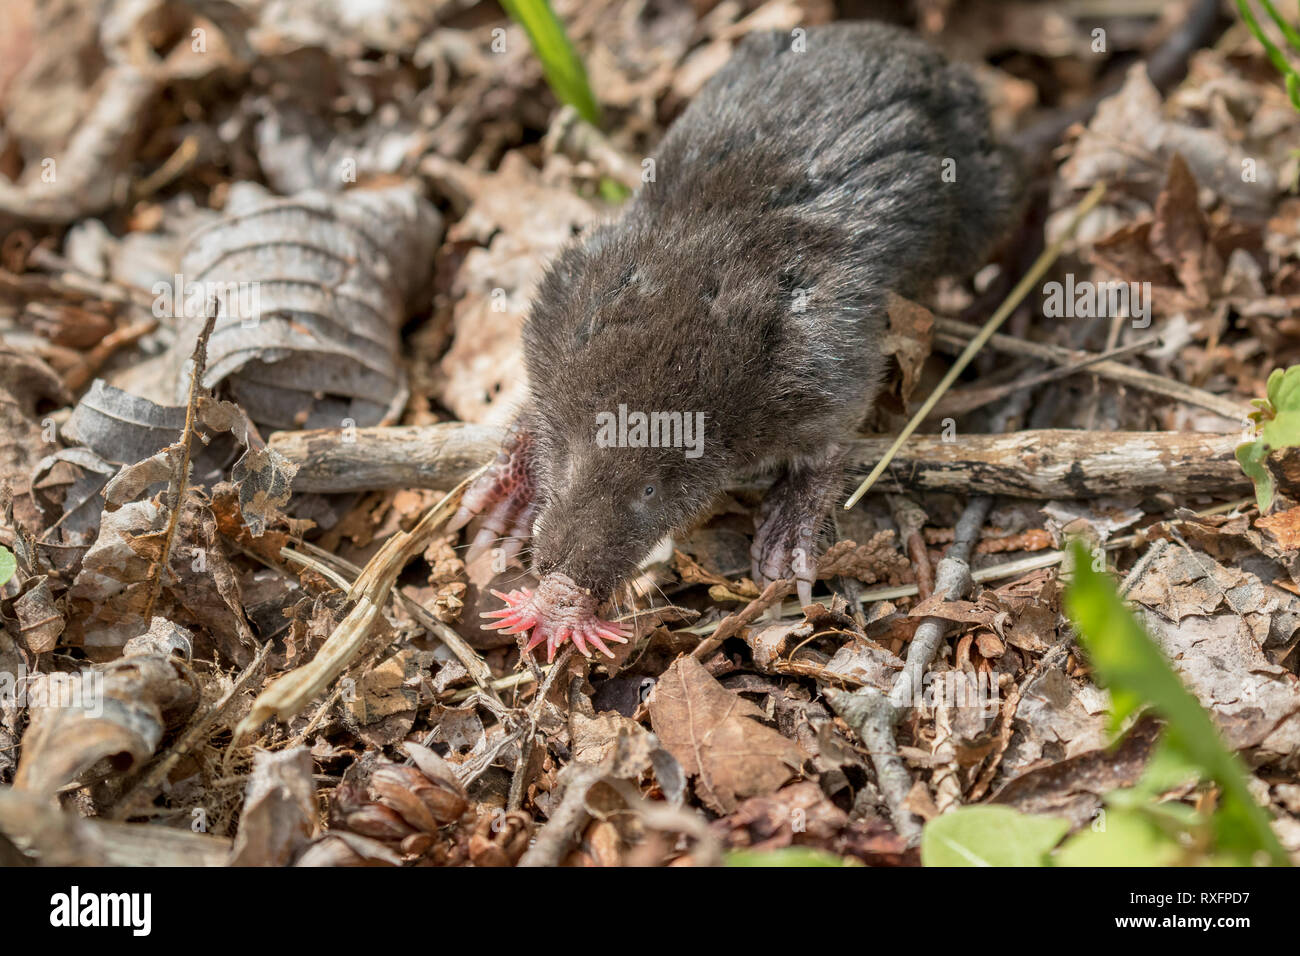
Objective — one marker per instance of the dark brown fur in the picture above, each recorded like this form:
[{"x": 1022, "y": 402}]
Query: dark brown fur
[{"x": 808, "y": 179}]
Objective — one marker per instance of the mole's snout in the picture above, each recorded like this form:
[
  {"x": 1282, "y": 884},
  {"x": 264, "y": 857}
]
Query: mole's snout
[{"x": 559, "y": 610}]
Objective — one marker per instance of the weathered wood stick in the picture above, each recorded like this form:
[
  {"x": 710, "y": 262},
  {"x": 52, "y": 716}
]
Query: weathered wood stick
[
  {"x": 1055, "y": 463},
  {"x": 365, "y": 459}
]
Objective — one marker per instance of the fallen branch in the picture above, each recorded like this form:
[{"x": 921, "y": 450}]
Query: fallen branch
[
  {"x": 1048, "y": 463},
  {"x": 873, "y": 715}
]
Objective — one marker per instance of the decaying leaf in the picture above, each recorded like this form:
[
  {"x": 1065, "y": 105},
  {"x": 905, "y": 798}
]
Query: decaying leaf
[
  {"x": 714, "y": 736},
  {"x": 88, "y": 724}
]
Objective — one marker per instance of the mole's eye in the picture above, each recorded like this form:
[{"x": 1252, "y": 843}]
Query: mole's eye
[{"x": 649, "y": 491}]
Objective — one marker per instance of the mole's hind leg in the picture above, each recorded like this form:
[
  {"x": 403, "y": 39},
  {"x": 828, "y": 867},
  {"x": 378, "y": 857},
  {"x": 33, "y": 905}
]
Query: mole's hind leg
[
  {"x": 504, "y": 496},
  {"x": 790, "y": 521}
]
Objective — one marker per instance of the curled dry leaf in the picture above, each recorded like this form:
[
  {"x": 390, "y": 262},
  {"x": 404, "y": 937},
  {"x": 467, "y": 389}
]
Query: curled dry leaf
[
  {"x": 714, "y": 736},
  {"x": 88, "y": 725},
  {"x": 312, "y": 292},
  {"x": 908, "y": 340},
  {"x": 279, "y": 815}
]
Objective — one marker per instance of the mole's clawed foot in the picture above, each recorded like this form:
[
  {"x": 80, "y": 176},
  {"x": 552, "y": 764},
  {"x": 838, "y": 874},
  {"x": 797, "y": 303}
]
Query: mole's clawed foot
[
  {"x": 504, "y": 496},
  {"x": 789, "y": 524}
]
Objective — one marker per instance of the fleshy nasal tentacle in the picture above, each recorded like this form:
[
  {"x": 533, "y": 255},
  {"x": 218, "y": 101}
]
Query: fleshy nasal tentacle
[{"x": 557, "y": 611}]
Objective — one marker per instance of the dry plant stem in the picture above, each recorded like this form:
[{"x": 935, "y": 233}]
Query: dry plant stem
[
  {"x": 152, "y": 777},
  {"x": 520, "y": 780},
  {"x": 910, "y": 520},
  {"x": 955, "y": 333},
  {"x": 79, "y": 378},
  {"x": 872, "y": 715},
  {"x": 292, "y": 691},
  {"x": 479, "y": 672},
  {"x": 1038, "y": 463},
  {"x": 500, "y": 684},
  {"x": 730, "y": 626},
  {"x": 964, "y": 401},
  {"x": 175, "y": 165},
  {"x": 568, "y": 819},
  {"x": 74, "y": 278},
  {"x": 1022, "y": 289},
  {"x": 180, "y": 476}
]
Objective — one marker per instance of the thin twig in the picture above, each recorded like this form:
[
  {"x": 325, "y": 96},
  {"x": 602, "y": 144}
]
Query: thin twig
[
  {"x": 967, "y": 400},
  {"x": 873, "y": 715},
  {"x": 956, "y": 333},
  {"x": 180, "y": 476},
  {"x": 1026, "y": 283}
]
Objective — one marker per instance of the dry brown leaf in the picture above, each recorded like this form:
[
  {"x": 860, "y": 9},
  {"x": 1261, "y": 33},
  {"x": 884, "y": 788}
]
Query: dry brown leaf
[
  {"x": 911, "y": 327},
  {"x": 1283, "y": 527},
  {"x": 279, "y": 816},
  {"x": 1180, "y": 235},
  {"x": 714, "y": 736}
]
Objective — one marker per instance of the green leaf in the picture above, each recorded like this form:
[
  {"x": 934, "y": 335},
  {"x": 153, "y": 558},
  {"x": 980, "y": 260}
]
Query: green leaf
[
  {"x": 787, "y": 856},
  {"x": 1121, "y": 838},
  {"x": 613, "y": 192},
  {"x": 1289, "y": 32},
  {"x": 1251, "y": 457},
  {"x": 1132, "y": 666},
  {"x": 1279, "y": 427},
  {"x": 8, "y": 565},
  {"x": 564, "y": 70},
  {"x": 990, "y": 836}
]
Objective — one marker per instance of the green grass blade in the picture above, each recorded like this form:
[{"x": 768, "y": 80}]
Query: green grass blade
[
  {"x": 1128, "y": 662},
  {"x": 1288, "y": 32},
  {"x": 564, "y": 70},
  {"x": 1274, "y": 54}
]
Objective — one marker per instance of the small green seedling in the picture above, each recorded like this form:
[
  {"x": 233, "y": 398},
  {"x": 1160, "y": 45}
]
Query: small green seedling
[{"x": 1277, "y": 423}]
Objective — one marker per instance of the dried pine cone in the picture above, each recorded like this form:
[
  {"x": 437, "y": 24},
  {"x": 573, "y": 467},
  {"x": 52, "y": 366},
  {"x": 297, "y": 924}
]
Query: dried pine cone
[
  {"x": 404, "y": 805},
  {"x": 500, "y": 839}
]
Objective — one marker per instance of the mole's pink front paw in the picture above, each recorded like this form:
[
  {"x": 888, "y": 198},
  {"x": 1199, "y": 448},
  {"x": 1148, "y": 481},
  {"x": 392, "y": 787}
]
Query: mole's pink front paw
[
  {"x": 503, "y": 496},
  {"x": 556, "y": 612}
]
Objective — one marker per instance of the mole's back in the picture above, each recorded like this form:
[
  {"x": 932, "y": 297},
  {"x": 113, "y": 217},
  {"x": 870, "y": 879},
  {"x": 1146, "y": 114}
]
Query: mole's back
[{"x": 861, "y": 129}]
